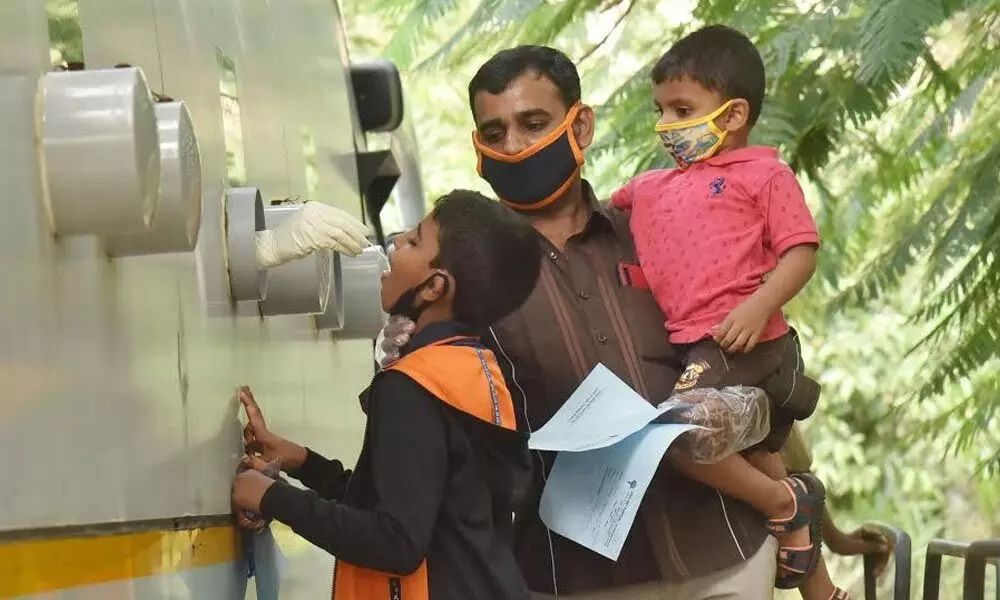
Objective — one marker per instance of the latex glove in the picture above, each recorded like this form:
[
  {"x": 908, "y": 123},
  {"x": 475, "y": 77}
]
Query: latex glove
[
  {"x": 393, "y": 336},
  {"x": 316, "y": 226}
]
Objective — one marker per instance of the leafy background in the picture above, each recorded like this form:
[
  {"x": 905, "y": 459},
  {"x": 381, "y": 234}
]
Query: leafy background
[{"x": 889, "y": 111}]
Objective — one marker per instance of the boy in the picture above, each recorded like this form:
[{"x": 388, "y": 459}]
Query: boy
[
  {"x": 427, "y": 512},
  {"x": 708, "y": 234}
]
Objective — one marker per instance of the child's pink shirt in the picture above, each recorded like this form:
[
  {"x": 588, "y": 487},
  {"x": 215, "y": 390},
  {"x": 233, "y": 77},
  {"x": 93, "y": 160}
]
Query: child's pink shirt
[{"x": 706, "y": 235}]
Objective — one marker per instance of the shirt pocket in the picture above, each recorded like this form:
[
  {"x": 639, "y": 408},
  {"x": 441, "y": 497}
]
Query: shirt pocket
[{"x": 648, "y": 330}]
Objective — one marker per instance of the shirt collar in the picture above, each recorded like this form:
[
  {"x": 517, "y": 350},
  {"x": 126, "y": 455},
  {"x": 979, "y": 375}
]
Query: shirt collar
[
  {"x": 435, "y": 332},
  {"x": 598, "y": 216},
  {"x": 750, "y": 153}
]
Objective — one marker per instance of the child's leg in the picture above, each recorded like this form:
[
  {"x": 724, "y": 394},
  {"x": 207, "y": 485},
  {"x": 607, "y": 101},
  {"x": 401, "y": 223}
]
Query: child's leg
[
  {"x": 769, "y": 464},
  {"x": 793, "y": 505},
  {"x": 819, "y": 586},
  {"x": 736, "y": 477},
  {"x": 761, "y": 486}
]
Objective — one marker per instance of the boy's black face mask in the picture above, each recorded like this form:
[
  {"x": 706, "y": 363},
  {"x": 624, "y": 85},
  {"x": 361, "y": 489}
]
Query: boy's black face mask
[
  {"x": 538, "y": 175},
  {"x": 406, "y": 304}
]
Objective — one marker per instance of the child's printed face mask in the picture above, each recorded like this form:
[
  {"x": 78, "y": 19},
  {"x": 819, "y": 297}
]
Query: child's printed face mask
[{"x": 695, "y": 139}]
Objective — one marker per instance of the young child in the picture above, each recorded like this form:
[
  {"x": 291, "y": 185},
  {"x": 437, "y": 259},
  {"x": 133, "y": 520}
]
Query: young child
[
  {"x": 724, "y": 241},
  {"x": 427, "y": 512}
]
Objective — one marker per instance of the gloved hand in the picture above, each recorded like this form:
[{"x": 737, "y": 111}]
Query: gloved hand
[
  {"x": 316, "y": 226},
  {"x": 393, "y": 336}
]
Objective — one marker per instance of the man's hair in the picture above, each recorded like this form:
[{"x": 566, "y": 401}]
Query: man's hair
[
  {"x": 496, "y": 74},
  {"x": 492, "y": 252},
  {"x": 720, "y": 59}
]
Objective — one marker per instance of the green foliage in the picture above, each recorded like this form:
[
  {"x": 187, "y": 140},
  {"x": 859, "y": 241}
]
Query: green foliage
[{"x": 64, "y": 31}]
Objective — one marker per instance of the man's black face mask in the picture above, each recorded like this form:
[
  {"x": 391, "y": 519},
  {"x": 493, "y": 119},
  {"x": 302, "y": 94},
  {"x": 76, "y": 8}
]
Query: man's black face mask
[{"x": 538, "y": 175}]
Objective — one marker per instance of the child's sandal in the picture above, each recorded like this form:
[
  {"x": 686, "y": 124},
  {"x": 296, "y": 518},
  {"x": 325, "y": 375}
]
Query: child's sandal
[
  {"x": 808, "y": 497},
  {"x": 839, "y": 594},
  {"x": 795, "y": 565}
]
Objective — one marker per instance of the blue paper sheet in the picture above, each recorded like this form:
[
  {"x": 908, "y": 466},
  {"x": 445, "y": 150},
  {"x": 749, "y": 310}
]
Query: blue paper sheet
[
  {"x": 592, "y": 497},
  {"x": 603, "y": 410},
  {"x": 608, "y": 454}
]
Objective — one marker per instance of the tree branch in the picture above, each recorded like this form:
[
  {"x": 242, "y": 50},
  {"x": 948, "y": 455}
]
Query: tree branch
[{"x": 614, "y": 27}]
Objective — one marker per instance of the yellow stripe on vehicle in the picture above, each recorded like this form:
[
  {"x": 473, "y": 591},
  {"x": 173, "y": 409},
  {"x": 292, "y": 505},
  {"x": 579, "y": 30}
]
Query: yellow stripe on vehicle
[{"x": 36, "y": 566}]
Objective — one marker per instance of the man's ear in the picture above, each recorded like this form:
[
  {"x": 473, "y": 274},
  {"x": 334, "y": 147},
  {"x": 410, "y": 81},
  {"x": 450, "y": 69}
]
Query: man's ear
[
  {"x": 583, "y": 126},
  {"x": 737, "y": 117}
]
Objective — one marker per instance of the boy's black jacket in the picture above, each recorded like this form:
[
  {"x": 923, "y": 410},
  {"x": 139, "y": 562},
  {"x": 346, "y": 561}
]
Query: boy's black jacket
[{"x": 432, "y": 482}]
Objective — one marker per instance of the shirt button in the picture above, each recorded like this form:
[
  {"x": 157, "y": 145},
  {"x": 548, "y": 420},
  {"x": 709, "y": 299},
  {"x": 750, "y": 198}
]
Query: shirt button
[
  {"x": 553, "y": 256},
  {"x": 602, "y": 339},
  {"x": 585, "y": 295}
]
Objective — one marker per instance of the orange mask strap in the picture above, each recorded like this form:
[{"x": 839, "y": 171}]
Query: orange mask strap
[
  {"x": 565, "y": 127},
  {"x": 545, "y": 142}
]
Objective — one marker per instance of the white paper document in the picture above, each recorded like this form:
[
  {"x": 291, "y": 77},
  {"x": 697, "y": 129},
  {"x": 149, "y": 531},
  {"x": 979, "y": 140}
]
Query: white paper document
[{"x": 608, "y": 454}]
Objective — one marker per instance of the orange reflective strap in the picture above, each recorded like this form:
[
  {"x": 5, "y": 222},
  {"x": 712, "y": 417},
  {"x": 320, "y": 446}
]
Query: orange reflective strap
[
  {"x": 357, "y": 583},
  {"x": 466, "y": 378}
]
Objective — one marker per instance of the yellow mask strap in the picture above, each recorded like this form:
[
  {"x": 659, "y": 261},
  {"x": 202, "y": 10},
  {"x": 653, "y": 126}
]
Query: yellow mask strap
[{"x": 709, "y": 118}]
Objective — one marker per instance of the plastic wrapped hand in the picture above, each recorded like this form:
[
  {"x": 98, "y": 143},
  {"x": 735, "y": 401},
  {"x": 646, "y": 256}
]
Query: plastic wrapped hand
[
  {"x": 731, "y": 420},
  {"x": 393, "y": 336},
  {"x": 315, "y": 227}
]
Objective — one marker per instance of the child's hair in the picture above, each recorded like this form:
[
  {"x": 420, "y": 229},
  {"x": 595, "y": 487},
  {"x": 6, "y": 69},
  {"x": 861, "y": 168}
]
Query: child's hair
[
  {"x": 492, "y": 252},
  {"x": 720, "y": 59}
]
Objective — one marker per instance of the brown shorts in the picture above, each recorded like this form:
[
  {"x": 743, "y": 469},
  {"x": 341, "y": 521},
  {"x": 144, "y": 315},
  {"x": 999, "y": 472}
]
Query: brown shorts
[{"x": 774, "y": 366}]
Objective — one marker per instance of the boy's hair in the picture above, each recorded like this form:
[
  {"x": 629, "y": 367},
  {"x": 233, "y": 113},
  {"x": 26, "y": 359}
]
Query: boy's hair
[
  {"x": 492, "y": 252},
  {"x": 505, "y": 66},
  {"x": 720, "y": 59}
]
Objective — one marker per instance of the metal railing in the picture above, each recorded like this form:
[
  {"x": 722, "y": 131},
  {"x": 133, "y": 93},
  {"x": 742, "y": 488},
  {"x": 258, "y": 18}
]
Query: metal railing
[
  {"x": 902, "y": 558},
  {"x": 976, "y": 555}
]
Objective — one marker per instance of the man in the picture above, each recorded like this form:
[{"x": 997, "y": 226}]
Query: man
[{"x": 689, "y": 541}]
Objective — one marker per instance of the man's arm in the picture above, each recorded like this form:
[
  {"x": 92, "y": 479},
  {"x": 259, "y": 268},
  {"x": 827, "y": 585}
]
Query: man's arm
[
  {"x": 514, "y": 356},
  {"x": 409, "y": 459},
  {"x": 523, "y": 381}
]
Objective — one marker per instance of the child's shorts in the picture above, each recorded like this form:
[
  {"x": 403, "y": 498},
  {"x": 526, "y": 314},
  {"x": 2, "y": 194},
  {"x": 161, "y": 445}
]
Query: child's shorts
[{"x": 774, "y": 366}]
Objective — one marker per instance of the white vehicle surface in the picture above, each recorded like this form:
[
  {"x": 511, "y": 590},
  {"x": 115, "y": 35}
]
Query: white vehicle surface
[{"x": 128, "y": 312}]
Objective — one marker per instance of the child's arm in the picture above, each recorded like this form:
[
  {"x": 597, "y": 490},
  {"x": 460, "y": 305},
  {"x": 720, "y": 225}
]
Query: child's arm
[
  {"x": 409, "y": 462},
  {"x": 790, "y": 233},
  {"x": 328, "y": 477},
  {"x": 741, "y": 329}
]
